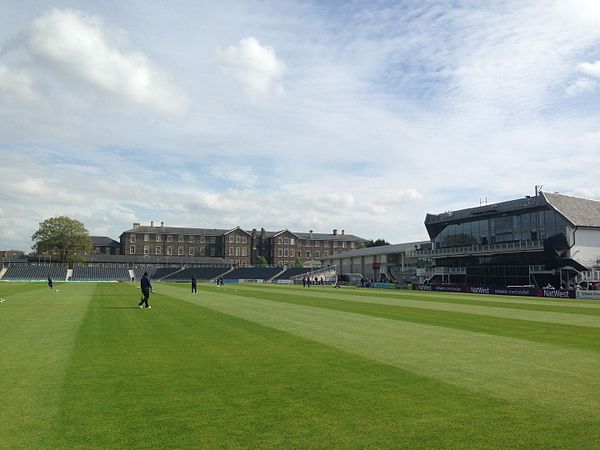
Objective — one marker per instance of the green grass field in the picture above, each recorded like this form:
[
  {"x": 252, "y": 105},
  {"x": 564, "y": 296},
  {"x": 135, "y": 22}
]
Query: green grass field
[{"x": 261, "y": 366}]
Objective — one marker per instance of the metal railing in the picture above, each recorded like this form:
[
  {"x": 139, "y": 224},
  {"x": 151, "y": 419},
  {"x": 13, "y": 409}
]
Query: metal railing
[{"x": 474, "y": 249}]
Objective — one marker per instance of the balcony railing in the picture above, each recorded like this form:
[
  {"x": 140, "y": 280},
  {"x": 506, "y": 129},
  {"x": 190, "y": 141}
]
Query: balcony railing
[{"x": 478, "y": 249}]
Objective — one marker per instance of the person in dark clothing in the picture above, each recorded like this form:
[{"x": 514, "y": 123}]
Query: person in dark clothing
[
  {"x": 49, "y": 282},
  {"x": 194, "y": 287},
  {"x": 146, "y": 287}
]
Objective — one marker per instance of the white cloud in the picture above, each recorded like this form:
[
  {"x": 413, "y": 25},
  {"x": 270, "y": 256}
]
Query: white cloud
[
  {"x": 591, "y": 69},
  {"x": 71, "y": 46},
  {"x": 581, "y": 85},
  {"x": 255, "y": 66}
]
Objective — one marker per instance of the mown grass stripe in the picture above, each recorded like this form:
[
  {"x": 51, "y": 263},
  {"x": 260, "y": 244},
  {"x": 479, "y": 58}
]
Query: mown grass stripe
[
  {"x": 185, "y": 376},
  {"x": 558, "y": 379},
  {"x": 37, "y": 328},
  {"x": 583, "y": 320},
  {"x": 568, "y": 336},
  {"x": 589, "y": 308}
]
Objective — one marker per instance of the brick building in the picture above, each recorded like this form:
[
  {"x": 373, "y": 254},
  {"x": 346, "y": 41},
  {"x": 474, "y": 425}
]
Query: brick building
[{"x": 240, "y": 247}]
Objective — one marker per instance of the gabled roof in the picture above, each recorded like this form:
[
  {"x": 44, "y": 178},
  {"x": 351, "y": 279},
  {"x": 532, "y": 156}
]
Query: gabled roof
[
  {"x": 277, "y": 233},
  {"x": 104, "y": 241},
  {"x": 581, "y": 212},
  {"x": 236, "y": 229}
]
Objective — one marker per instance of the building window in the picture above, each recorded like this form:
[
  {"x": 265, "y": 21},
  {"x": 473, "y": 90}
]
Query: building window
[
  {"x": 201, "y": 239},
  {"x": 180, "y": 238},
  {"x": 317, "y": 243},
  {"x": 292, "y": 241},
  {"x": 97, "y": 250},
  {"x": 146, "y": 237},
  {"x": 191, "y": 251},
  {"x": 146, "y": 250},
  {"x": 351, "y": 244},
  {"x": 230, "y": 251},
  {"x": 280, "y": 240},
  {"x": 237, "y": 251},
  {"x": 132, "y": 238},
  {"x": 326, "y": 253},
  {"x": 344, "y": 244},
  {"x": 308, "y": 253},
  {"x": 132, "y": 249},
  {"x": 157, "y": 250},
  {"x": 180, "y": 250},
  {"x": 191, "y": 239},
  {"x": 244, "y": 253},
  {"x": 334, "y": 244},
  {"x": 244, "y": 239},
  {"x": 231, "y": 238},
  {"x": 212, "y": 251},
  {"x": 286, "y": 240},
  {"x": 158, "y": 238},
  {"x": 169, "y": 238},
  {"x": 317, "y": 254},
  {"x": 202, "y": 251},
  {"x": 237, "y": 239},
  {"x": 325, "y": 243},
  {"x": 280, "y": 253},
  {"x": 169, "y": 251},
  {"x": 285, "y": 253},
  {"x": 212, "y": 241}
]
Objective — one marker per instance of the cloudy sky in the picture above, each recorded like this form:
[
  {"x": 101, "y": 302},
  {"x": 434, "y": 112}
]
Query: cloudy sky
[{"x": 361, "y": 116}]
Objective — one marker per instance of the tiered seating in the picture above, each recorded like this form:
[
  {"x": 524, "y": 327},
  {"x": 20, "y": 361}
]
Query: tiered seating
[
  {"x": 36, "y": 272},
  {"x": 139, "y": 271},
  {"x": 164, "y": 272},
  {"x": 99, "y": 273},
  {"x": 252, "y": 273},
  {"x": 292, "y": 273},
  {"x": 201, "y": 273}
]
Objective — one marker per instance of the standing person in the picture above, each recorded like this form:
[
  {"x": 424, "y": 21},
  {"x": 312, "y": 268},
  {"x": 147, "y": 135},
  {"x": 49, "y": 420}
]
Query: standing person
[
  {"x": 49, "y": 282},
  {"x": 303, "y": 281},
  {"x": 194, "y": 287},
  {"x": 146, "y": 287}
]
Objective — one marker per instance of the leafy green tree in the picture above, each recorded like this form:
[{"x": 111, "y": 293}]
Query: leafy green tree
[
  {"x": 65, "y": 236},
  {"x": 377, "y": 243},
  {"x": 262, "y": 261},
  {"x": 298, "y": 264}
]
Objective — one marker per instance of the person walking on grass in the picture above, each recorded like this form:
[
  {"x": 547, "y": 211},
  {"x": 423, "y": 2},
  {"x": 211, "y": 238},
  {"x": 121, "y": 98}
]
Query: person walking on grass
[
  {"x": 49, "y": 282},
  {"x": 146, "y": 287},
  {"x": 194, "y": 285}
]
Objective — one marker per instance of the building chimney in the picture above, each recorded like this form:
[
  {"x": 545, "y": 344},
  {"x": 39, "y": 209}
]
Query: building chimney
[
  {"x": 342, "y": 232},
  {"x": 135, "y": 224},
  {"x": 310, "y": 234},
  {"x": 335, "y": 232},
  {"x": 151, "y": 223},
  {"x": 262, "y": 233},
  {"x": 162, "y": 224}
]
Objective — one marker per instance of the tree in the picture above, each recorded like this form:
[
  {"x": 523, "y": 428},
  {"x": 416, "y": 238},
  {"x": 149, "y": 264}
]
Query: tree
[
  {"x": 65, "y": 236},
  {"x": 377, "y": 243},
  {"x": 262, "y": 261},
  {"x": 298, "y": 264}
]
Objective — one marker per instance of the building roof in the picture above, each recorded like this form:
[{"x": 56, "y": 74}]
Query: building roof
[
  {"x": 380, "y": 250},
  {"x": 581, "y": 212},
  {"x": 146, "y": 259},
  {"x": 177, "y": 230},
  {"x": 220, "y": 232},
  {"x": 104, "y": 241}
]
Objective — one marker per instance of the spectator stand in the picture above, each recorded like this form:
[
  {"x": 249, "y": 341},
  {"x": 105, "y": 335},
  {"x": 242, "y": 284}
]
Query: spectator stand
[{"x": 252, "y": 274}]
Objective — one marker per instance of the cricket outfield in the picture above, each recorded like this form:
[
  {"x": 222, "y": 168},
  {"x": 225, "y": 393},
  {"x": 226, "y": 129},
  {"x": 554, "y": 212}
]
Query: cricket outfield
[{"x": 265, "y": 366}]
